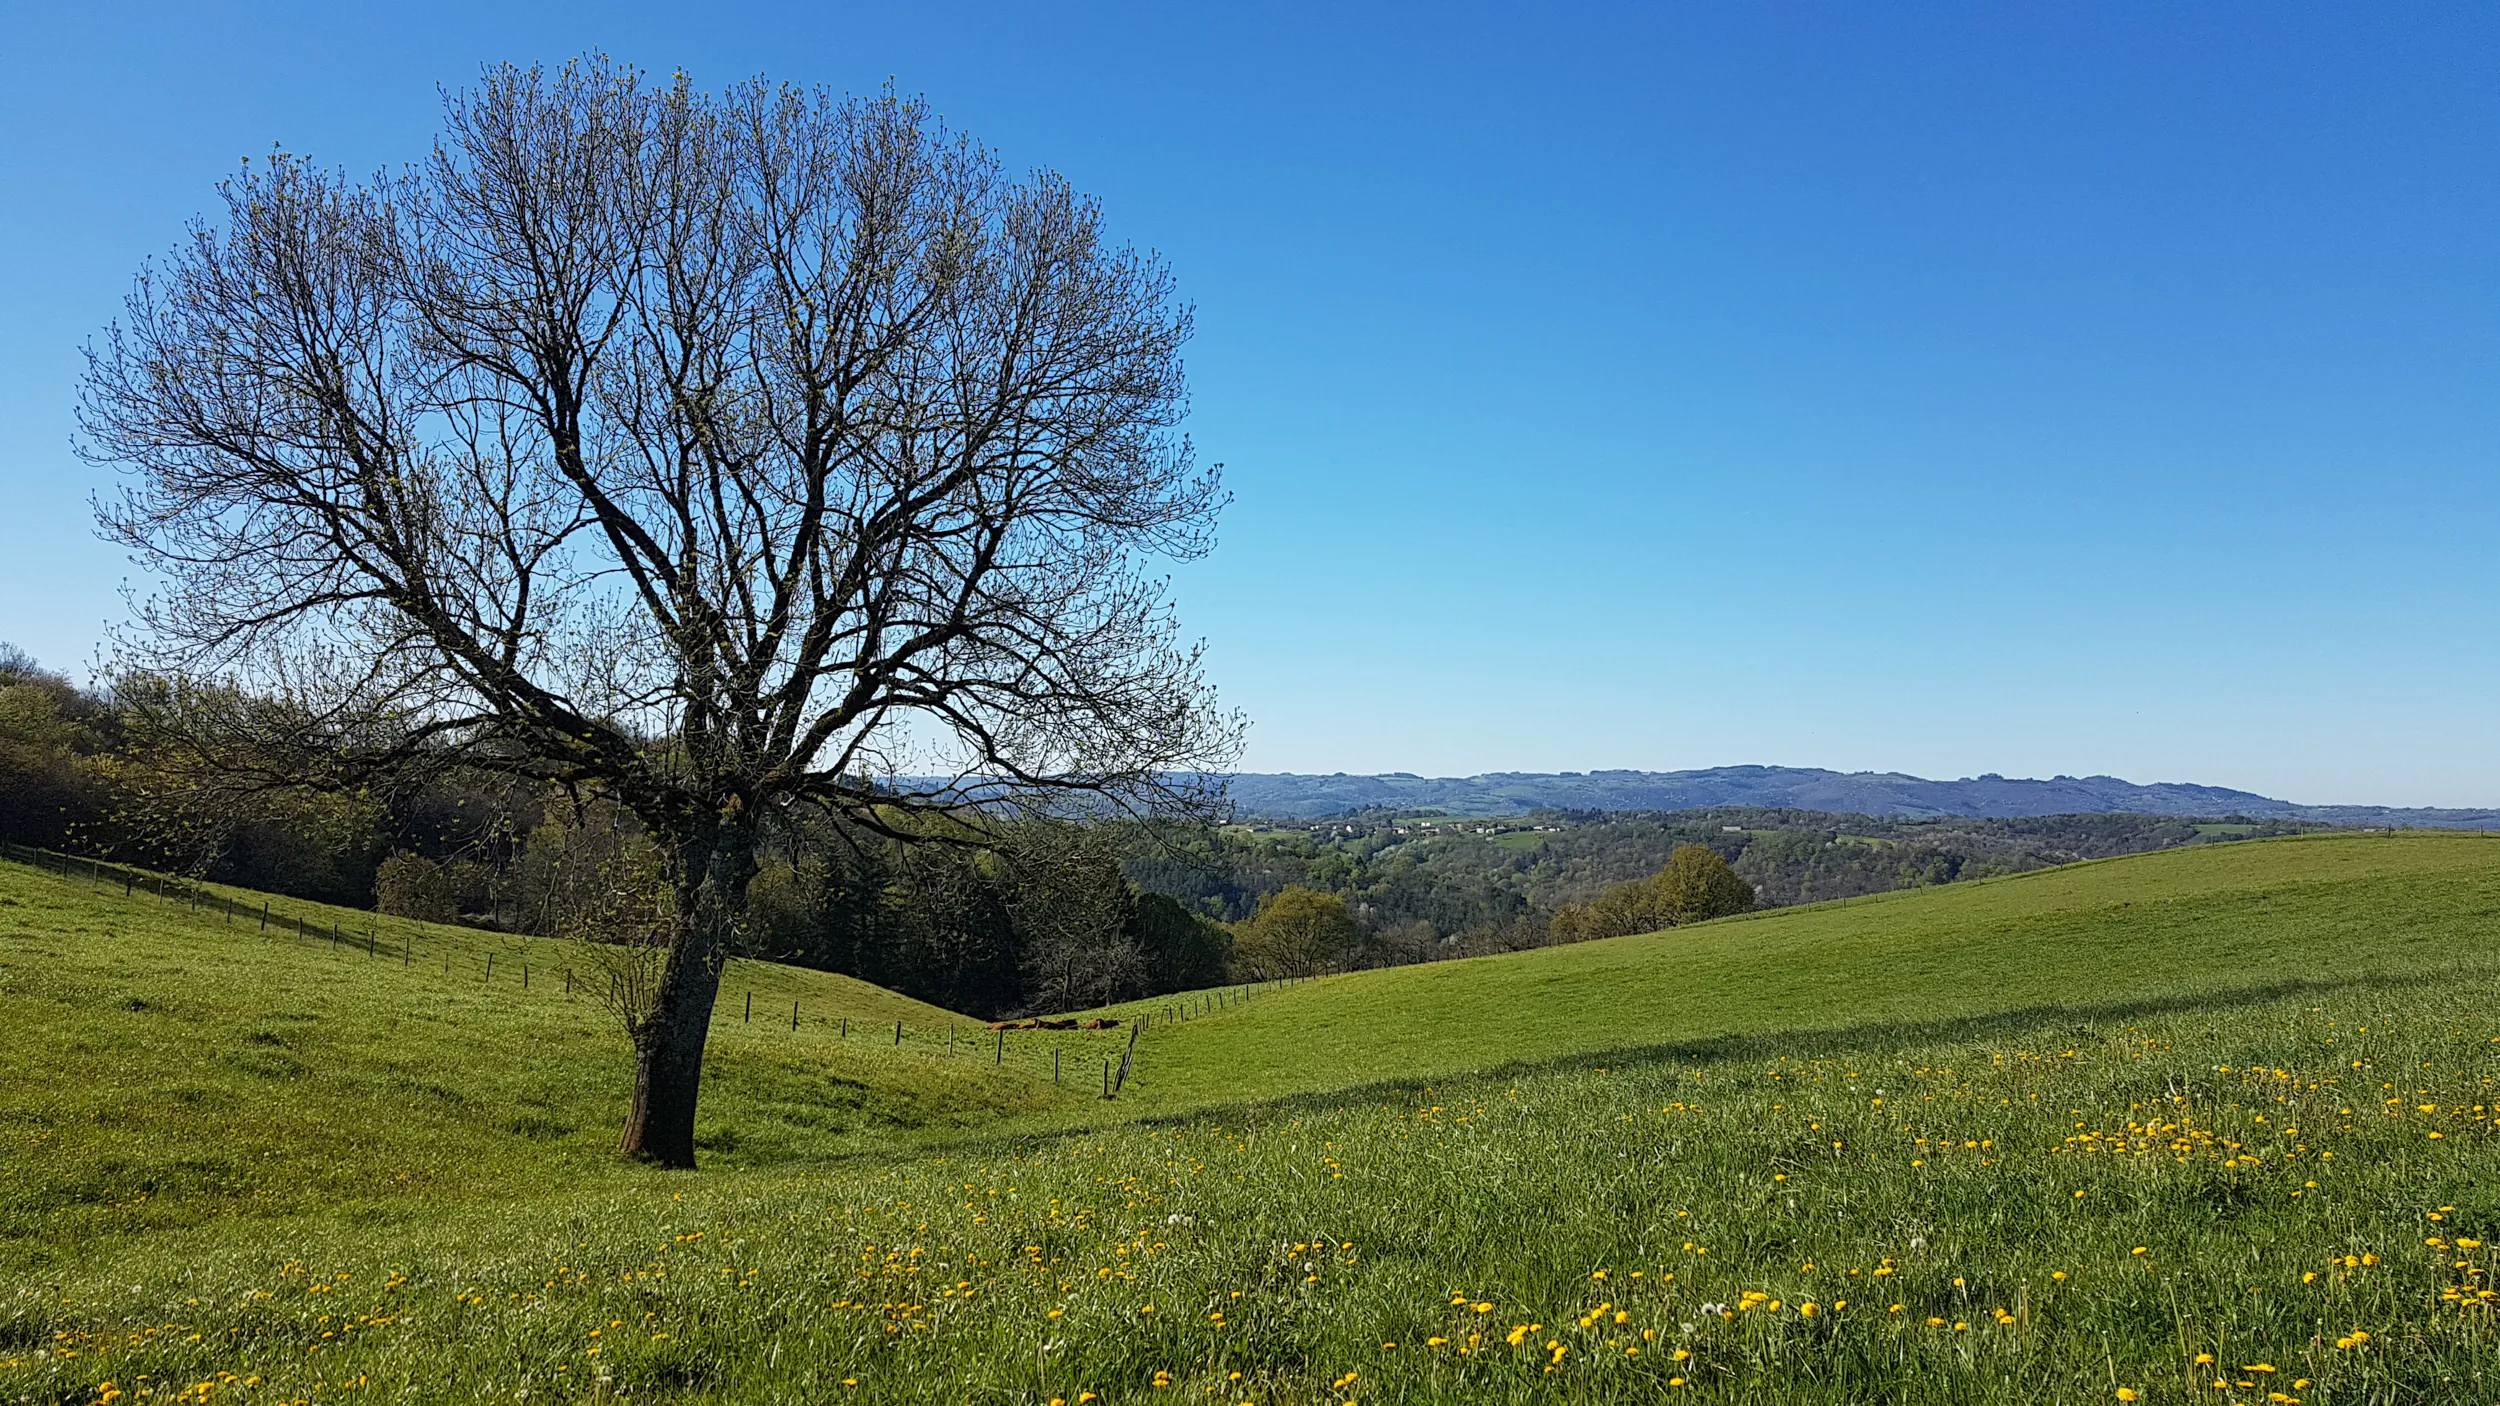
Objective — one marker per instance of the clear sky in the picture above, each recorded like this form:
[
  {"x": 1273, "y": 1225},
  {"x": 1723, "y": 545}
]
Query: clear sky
[{"x": 1945, "y": 389}]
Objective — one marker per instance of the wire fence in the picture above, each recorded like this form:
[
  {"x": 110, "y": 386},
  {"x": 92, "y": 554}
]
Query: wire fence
[{"x": 377, "y": 937}]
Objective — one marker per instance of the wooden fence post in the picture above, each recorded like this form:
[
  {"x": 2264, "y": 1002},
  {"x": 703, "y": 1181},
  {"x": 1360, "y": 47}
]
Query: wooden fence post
[
  {"x": 794, "y": 1015},
  {"x": 1002, "y": 1048},
  {"x": 750, "y": 1016},
  {"x": 898, "y": 1034},
  {"x": 1129, "y": 1053}
]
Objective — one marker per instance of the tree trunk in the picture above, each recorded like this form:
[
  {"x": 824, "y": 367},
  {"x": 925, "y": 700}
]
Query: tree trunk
[{"x": 711, "y": 879}]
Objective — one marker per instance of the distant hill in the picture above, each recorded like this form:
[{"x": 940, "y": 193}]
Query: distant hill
[{"x": 1293, "y": 796}]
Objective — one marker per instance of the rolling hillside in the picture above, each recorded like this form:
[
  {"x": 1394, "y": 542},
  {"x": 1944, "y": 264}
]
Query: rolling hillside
[
  {"x": 175, "y": 1061},
  {"x": 2209, "y": 926},
  {"x": 2211, "y": 1115}
]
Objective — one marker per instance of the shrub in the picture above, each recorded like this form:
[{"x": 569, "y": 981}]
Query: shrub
[{"x": 1697, "y": 885}]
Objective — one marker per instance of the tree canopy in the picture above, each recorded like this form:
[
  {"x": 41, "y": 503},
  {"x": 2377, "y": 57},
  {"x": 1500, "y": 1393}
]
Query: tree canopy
[{"x": 1295, "y": 932}]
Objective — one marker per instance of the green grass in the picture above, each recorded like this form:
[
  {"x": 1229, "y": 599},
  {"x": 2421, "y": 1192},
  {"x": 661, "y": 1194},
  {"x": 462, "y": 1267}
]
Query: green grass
[
  {"x": 2212, "y": 924},
  {"x": 330, "y": 1075},
  {"x": 297, "y": 1173}
]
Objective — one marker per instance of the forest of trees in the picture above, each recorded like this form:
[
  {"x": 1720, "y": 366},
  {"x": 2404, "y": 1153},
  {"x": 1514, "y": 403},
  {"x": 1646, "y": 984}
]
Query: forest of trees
[
  {"x": 1428, "y": 885},
  {"x": 1029, "y": 917}
]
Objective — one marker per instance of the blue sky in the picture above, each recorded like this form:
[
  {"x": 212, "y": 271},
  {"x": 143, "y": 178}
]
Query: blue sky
[{"x": 1942, "y": 389}]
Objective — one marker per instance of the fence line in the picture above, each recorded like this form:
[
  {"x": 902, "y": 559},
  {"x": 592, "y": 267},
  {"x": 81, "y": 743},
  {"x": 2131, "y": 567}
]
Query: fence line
[{"x": 336, "y": 934}]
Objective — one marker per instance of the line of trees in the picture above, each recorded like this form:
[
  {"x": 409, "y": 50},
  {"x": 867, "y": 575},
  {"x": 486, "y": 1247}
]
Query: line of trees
[
  {"x": 1018, "y": 916},
  {"x": 1422, "y": 886},
  {"x": 1033, "y": 915},
  {"x": 76, "y": 775},
  {"x": 1045, "y": 916}
]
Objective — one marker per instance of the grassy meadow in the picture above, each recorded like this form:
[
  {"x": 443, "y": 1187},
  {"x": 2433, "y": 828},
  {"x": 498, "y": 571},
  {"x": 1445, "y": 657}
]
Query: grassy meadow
[
  {"x": 2210, "y": 1125},
  {"x": 2211, "y": 924}
]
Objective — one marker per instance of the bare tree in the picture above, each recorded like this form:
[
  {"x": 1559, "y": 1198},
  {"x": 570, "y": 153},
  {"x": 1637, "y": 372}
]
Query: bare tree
[{"x": 715, "y": 454}]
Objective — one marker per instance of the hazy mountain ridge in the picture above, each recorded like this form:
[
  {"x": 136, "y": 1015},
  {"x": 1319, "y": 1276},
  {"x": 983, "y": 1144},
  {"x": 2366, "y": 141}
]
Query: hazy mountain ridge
[{"x": 1298, "y": 796}]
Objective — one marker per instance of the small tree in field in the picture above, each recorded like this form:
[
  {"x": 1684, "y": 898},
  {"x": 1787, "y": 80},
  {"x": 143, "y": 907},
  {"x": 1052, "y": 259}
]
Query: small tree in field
[
  {"x": 1295, "y": 932},
  {"x": 713, "y": 457},
  {"x": 1697, "y": 885}
]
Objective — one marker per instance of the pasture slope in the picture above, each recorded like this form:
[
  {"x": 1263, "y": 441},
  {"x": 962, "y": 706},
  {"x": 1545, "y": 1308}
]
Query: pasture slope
[
  {"x": 2211, "y": 925},
  {"x": 2209, "y": 1125}
]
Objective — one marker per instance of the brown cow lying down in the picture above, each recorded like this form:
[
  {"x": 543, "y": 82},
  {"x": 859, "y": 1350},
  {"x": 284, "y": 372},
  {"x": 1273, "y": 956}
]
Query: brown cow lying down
[{"x": 1069, "y": 1024}]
